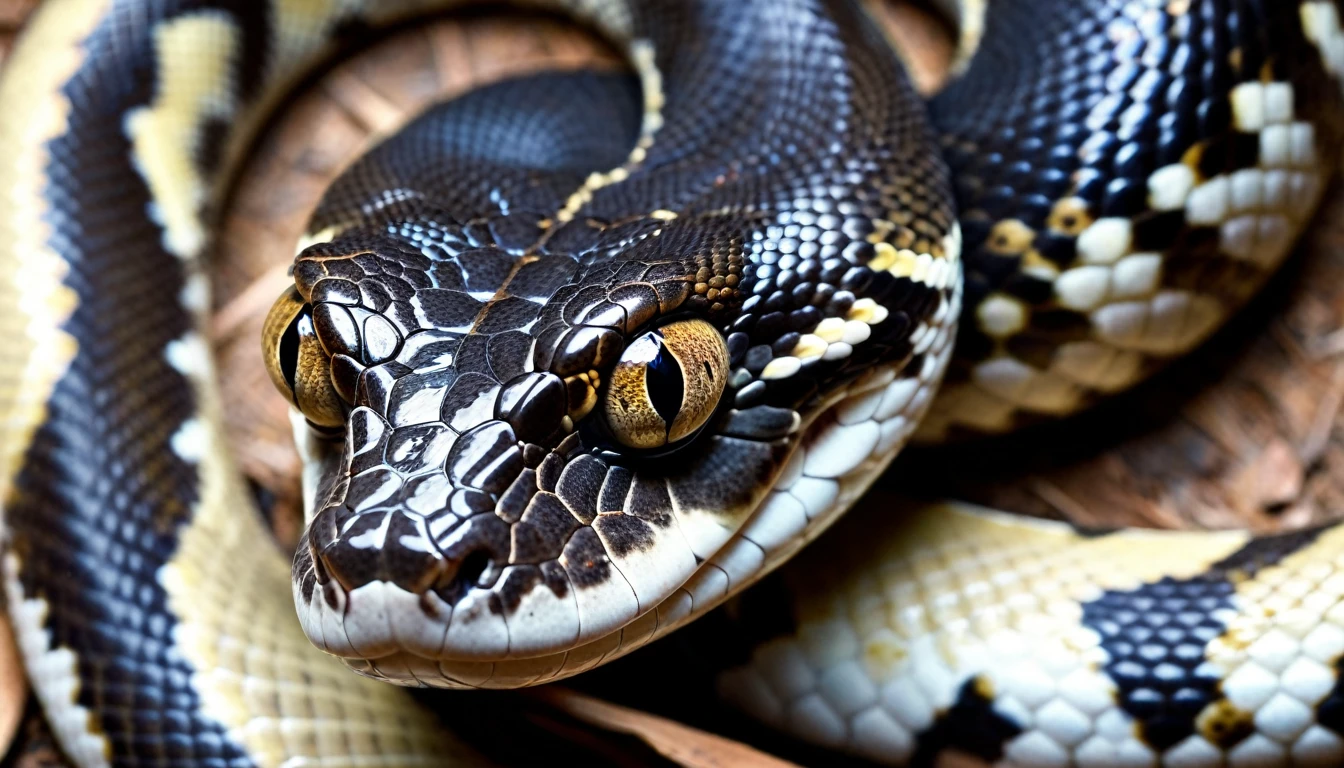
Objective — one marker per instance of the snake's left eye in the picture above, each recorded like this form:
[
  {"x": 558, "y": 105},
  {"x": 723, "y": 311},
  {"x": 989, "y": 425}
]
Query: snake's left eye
[
  {"x": 297, "y": 364},
  {"x": 667, "y": 384}
]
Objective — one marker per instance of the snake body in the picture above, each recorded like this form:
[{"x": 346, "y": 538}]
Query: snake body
[
  {"x": 471, "y": 298},
  {"x": 575, "y": 365},
  {"x": 1120, "y": 199},
  {"x": 1029, "y": 643}
]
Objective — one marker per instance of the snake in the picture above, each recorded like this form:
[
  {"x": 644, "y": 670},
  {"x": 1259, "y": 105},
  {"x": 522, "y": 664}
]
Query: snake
[{"x": 575, "y": 358}]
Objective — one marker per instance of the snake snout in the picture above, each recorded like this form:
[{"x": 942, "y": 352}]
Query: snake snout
[
  {"x": 387, "y": 583},
  {"x": 493, "y": 547},
  {"x": 401, "y": 548},
  {"x": 445, "y": 559}
]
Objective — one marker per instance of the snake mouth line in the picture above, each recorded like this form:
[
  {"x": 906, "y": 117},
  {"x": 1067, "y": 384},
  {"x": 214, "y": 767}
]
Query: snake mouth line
[{"x": 382, "y": 630}]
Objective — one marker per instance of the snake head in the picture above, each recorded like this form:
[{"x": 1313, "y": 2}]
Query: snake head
[
  {"x": 546, "y": 453},
  {"x": 564, "y": 432},
  {"x": 526, "y": 467}
]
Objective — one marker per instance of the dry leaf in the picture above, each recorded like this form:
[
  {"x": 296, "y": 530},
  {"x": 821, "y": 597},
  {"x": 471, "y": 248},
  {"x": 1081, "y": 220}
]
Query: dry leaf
[
  {"x": 1280, "y": 474},
  {"x": 13, "y": 687},
  {"x": 922, "y": 40},
  {"x": 679, "y": 743},
  {"x": 13, "y": 12}
]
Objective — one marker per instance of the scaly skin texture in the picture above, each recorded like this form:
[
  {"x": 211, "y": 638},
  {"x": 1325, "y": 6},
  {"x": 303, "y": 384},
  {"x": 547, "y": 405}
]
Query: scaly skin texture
[
  {"x": 1113, "y": 230},
  {"x": 1124, "y": 189},
  {"x": 484, "y": 309},
  {"x": 747, "y": 189},
  {"x": 1027, "y": 643},
  {"x": 464, "y": 303}
]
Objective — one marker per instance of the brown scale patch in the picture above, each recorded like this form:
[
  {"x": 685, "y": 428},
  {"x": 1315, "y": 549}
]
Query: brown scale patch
[
  {"x": 1034, "y": 351},
  {"x": 581, "y": 389},
  {"x": 1069, "y": 216},
  {"x": 718, "y": 276},
  {"x": 933, "y": 234},
  {"x": 902, "y": 218},
  {"x": 1010, "y": 237},
  {"x": 1224, "y": 725},
  {"x": 1035, "y": 264},
  {"x": 1194, "y": 159},
  {"x": 903, "y": 238}
]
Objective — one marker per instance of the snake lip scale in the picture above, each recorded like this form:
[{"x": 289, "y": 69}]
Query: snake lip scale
[{"x": 577, "y": 356}]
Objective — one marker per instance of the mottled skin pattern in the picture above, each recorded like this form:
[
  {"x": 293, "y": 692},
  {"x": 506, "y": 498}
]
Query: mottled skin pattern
[
  {"x": 461, "y": 306},
  {"x": 1027, "y": 643},
  {"x": 473, "y": 307},
  {"x": 466, "y": 301},
  {"x": 1123, "y": 190}
]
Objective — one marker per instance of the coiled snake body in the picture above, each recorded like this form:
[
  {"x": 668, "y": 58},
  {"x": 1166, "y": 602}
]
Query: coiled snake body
[{"x": 576, "y": 368}]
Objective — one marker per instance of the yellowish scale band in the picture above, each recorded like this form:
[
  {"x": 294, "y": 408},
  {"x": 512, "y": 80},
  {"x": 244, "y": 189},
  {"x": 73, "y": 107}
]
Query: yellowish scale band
[{"x": 278, "y": 698}]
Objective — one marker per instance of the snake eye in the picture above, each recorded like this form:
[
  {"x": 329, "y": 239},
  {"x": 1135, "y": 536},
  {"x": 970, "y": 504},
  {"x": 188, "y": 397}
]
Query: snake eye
[
  {"x": 296, "y": 362},
  {"x": 666, "y": 384}
]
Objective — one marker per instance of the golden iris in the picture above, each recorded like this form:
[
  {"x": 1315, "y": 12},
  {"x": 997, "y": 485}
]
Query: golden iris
[
  {"x": 298, "y": 365},
  {"x": 667, "y": 384}
]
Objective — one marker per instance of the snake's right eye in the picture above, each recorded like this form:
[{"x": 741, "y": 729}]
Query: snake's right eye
[
  {"x": 298, "y": 365},
  {"x": 667, "y": 384}
]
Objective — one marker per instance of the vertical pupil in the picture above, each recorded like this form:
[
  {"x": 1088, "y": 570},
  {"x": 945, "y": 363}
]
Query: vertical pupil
[
  {"x": 663, "y": 378},
  {"x": 289, "y": 347}
]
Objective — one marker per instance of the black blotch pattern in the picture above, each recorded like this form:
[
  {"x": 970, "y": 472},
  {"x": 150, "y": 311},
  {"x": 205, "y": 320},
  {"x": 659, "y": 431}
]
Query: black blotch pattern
[
  {"x": 1156, "y": 636},
  {"x": 1084, "y": 101},
  {"x": 970, "y": 725}
]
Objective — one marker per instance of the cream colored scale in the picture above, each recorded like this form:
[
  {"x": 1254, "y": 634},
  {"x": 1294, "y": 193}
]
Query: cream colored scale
[
  {"x": 256, "y": 673},
  {"x": 1135, "y": 320},
  {"x": 951, "y": 594}
]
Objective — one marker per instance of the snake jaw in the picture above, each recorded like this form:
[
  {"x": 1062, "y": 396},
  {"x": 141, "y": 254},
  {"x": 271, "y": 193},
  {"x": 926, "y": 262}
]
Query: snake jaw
[{"x": 502, "y": 547}]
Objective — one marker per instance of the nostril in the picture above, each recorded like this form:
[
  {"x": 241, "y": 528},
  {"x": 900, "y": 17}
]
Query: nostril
[
  {"x": 453, "y": 584},
  {"x": 473, "y": 565}
]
